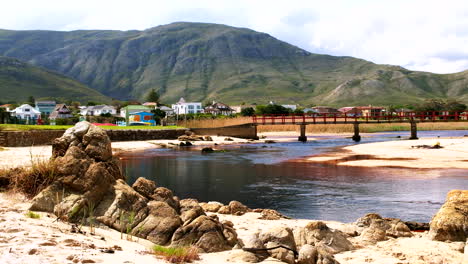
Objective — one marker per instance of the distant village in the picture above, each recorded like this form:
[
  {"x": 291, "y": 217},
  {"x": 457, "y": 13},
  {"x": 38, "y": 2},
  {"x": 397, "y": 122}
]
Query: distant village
[{"x": 152, "y": 113}]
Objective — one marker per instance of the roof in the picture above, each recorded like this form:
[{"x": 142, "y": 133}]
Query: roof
[
  {"x": 136, "y": 107},
  {"x": 369, "y": 107},
  {"x": 100, "y": 107},
  {"x": 165, "y": 108},
  {"x": 5, "y": 105},
  {"x": 45, "y": 102},
  {"x": 150, "y": 103}
]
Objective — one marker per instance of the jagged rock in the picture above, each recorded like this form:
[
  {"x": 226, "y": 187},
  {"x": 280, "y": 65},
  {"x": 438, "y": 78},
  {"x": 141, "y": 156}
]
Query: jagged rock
[
  {"x": 269, "y": 214},
  {"x": 89, "y": 178},
  {"x": 237, "y": 208},
  {"x": 190, "y": 138},
  {"x": 307, "y": 255},
  {"x": 225, "y": 209},
  {"x": 391, "y": 227},
  {"x": 228, "y": 139},
  {"x": 160, "y": 224},
  {"x": 212, "y": 207},
  {"x": 451, "y": 221},
  {"x": 165, "y": 195},
  {"x": 277, "y": 236},
  {"x": 144, "y": 187},
  {"x": 208, "y": 138},
  {"x": 190, "y": 210},
  {"x": 318, "y": 234},
  {"x": 417, "y": 226},
  {"x": 204, "y": 233}
]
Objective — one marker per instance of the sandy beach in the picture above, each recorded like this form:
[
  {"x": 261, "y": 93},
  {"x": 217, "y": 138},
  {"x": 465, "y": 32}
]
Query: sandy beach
[
  {"x": 401, "y": 153},
  {"x": 44, "y": 240}
]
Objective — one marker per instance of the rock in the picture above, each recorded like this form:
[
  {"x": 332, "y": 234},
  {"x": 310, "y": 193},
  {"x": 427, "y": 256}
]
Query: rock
[
  {"x": 280, "y": 236},
  {"x": 269, "y": 141},
  {"x": 204, "y": 233},
  {"x": 190, "y": 210},
  {"x": 225, "y": 209},
  {"x": 391, "y": 226},
  {"x": 98, "y": 144},
  {"x": 307, "y": 255},
  {"x": 229, "y": 233},
  {"x": 207, "y": 150},
  {"x": 212, "y": 207},
  {"x": 269, "y": 214},
  {"x": 237, "y": 208},
  {"x": 416, "y": 226},
  {"x": 318, "y": 234},
  {"x": 243, "y": 256},
  {"x": 185, "y": 144},
  {"x": 190, "y": 138},
  {"x": 208, "y": 138},
  {"x": 160, "y": 224},
  {"x": 397, "y": 228},
  {"x": 253, "y": 241},
  {"x": 228, "y": 139},
  {"x": 165, "y": 195},
  {"x": 451, "y": 221},
  {"x": 374, "y": 233},
  {"x": 144, "y": 187}
]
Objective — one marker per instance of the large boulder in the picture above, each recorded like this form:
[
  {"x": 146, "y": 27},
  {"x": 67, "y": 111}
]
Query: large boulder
[
  {"x": 318, "y": 234},
  {"x": 89, "y": 182},
  {"x": 451, "y": 221},
  {"x": 309, "y": 254},
  {"x": 280, "y": 236},
  {"x": 212, "y": 207},
  {"x": 373, "y": 228}
]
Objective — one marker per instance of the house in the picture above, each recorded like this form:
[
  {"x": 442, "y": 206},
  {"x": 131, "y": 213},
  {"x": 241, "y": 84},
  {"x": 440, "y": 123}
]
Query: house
[
  {"x": 292, "y": 107},
  {"x": 7, "y": 107},
  {"x": 218, "y": 109},
  {"x": 60, "y": 111},
  {"x": 130, "y": 109},
  {"x": 371, "y": 111},
  {"x": 144, "y": 118},
  {"x": 238, "y": 108},
  {"x": 182, "y": 107},
  {"x": 45, "y": 107},
  {"x": 26, "y": 112},
  {"x": 325, "y": 110},
  {"x": 98, "y": 110},
  {"x": 169, "y": 111},
  {"x": 350, "y": 111}
]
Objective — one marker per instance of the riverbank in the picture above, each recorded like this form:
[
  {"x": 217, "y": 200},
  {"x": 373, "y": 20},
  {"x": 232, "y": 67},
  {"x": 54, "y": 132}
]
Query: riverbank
[
  {"x": 45, "y": 240},
  {"x": 416, "y": 154}
]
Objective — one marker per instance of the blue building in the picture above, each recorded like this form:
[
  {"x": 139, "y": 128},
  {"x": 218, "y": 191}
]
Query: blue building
[
  {"x": 45, "y": 107},
  {"x": 141, "y": 118}
]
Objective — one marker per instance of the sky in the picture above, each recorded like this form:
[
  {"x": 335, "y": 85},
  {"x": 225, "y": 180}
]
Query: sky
[{"x": 418, "y": 35}]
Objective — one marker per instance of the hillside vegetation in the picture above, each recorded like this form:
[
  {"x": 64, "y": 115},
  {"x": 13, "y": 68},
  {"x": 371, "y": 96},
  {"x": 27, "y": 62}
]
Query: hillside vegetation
[
  {"x": 19, "y": 80},
  {"x": 209, "y": 61}
]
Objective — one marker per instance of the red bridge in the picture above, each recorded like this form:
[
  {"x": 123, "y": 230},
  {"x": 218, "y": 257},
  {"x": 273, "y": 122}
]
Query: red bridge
[{"x": 310, "y": 119}]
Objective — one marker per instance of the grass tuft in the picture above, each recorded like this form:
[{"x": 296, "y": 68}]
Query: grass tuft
[
  {"x": 33, "y": 180},
  {"x": 177, "y": 254},
  {"x": 33, "y": 215}
]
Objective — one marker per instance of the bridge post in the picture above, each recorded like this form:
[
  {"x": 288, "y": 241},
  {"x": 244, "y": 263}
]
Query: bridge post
[
  {"x": 302, "y": 137},
  {"x": 414, "y": 130},
  {"x": 356, "y": 137}
]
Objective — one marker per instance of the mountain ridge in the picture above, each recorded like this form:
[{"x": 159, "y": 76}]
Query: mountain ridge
[{"x": 203, "y": 61}]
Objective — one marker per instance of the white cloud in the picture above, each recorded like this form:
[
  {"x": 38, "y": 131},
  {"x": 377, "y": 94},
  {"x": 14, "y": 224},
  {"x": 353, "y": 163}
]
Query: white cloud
[{"x": 420, "y": 35}]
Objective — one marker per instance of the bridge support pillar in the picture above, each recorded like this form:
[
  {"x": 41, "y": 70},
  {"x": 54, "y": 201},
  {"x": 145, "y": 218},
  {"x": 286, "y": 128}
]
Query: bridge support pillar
[
  {"x": 414, "y": 130},
  {"x": 356, "y": 137},
  {"x": 303, "y": 137}
]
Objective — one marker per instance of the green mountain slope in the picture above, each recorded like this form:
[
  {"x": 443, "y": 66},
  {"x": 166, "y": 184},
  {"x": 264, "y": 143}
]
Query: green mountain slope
[
  {"x": 19, "y": 80},
  {"x": 209, "y": 61}
]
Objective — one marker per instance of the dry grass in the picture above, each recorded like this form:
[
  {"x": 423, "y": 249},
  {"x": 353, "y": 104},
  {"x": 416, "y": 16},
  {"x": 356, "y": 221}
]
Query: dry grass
[
  {"x": 339, "y": 128},
  {"x": 177, "y": 254},
  {"x": 29, "y": 181}
]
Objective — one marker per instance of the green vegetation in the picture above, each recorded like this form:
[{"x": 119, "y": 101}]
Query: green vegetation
[
  {"x": 202, "y": 62},
  {"x": 177, "y": 254},
  {"x": 152, "y": 96},
  {"x": 23, "y": 82},
  {"x": 33, "y": 215},
  {"x": 12, "y": 127}
]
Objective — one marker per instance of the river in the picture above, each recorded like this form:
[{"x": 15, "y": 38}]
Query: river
[{"x": 267, "y": 176}]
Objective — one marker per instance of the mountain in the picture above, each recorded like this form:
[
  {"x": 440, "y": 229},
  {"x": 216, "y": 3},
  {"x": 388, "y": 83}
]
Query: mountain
[
  {"x": 19, "y": 80},
  {"x": 202, "y": 61}
]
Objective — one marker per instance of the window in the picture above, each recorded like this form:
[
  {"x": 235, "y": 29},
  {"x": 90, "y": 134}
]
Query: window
[
  {"x": 191, "y": 107},
  {"x": 199, "y": 106},
  {"x": 146, "y": 118},
  {"x": 27, "y": 109}
]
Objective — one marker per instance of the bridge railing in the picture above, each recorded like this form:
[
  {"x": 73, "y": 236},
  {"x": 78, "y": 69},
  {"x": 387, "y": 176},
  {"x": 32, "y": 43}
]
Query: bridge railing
[{"x": 334, "y": 118}]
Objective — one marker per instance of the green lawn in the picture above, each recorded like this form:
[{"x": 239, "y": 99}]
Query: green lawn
[{"x": 11, "y": 127}]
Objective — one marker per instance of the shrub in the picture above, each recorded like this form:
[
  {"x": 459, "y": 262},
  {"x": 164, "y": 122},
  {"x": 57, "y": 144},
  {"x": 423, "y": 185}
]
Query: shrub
[
  {"x": 177, "y": 254},
  {"x": 33, "y": 215},
  {"x": 33, "y": 180}
]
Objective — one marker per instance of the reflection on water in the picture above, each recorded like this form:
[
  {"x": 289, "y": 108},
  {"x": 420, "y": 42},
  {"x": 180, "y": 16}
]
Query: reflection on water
[{"x": 260, "y": 176}]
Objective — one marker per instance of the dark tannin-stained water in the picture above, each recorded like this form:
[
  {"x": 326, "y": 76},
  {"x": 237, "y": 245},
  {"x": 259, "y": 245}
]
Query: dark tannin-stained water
[{"x": 263, "y": 176}]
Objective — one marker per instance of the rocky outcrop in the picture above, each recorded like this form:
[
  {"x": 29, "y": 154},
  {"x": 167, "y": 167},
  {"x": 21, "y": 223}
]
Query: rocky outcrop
[
  {"x": 373, "y": 228},
  {"x": 280, "y": 236},
  {"x": 90, "y": 180},
  {"x": 451, "y": 221},
  {"x": 318, "y": 234}
]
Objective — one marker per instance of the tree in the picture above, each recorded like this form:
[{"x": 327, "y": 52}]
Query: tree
[
  {"x": 31, "y": 100},
  {"x": 91, "y": 103},
  {"x": 454, "y": 106},
  {"x": 272, "y": 109},
  {"x": 248, "y": 111},
  {"x": 152, "y": 96},
  {"x": 158, "y": 114}
]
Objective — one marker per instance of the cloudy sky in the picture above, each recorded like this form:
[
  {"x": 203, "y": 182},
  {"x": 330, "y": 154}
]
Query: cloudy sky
[{"x": 417, "y": 34}]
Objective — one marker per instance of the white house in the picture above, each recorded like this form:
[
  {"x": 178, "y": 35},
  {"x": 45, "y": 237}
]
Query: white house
[
  {"x": 26, "y": 112},
  {"x": 97, "y": 110},
  {"x": 182, "y": 107},
  {"x": 169, "y": 111}
]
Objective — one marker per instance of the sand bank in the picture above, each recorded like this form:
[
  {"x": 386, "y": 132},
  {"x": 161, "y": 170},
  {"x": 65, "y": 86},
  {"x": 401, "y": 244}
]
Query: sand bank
[{"x": 401, "y": 153}]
